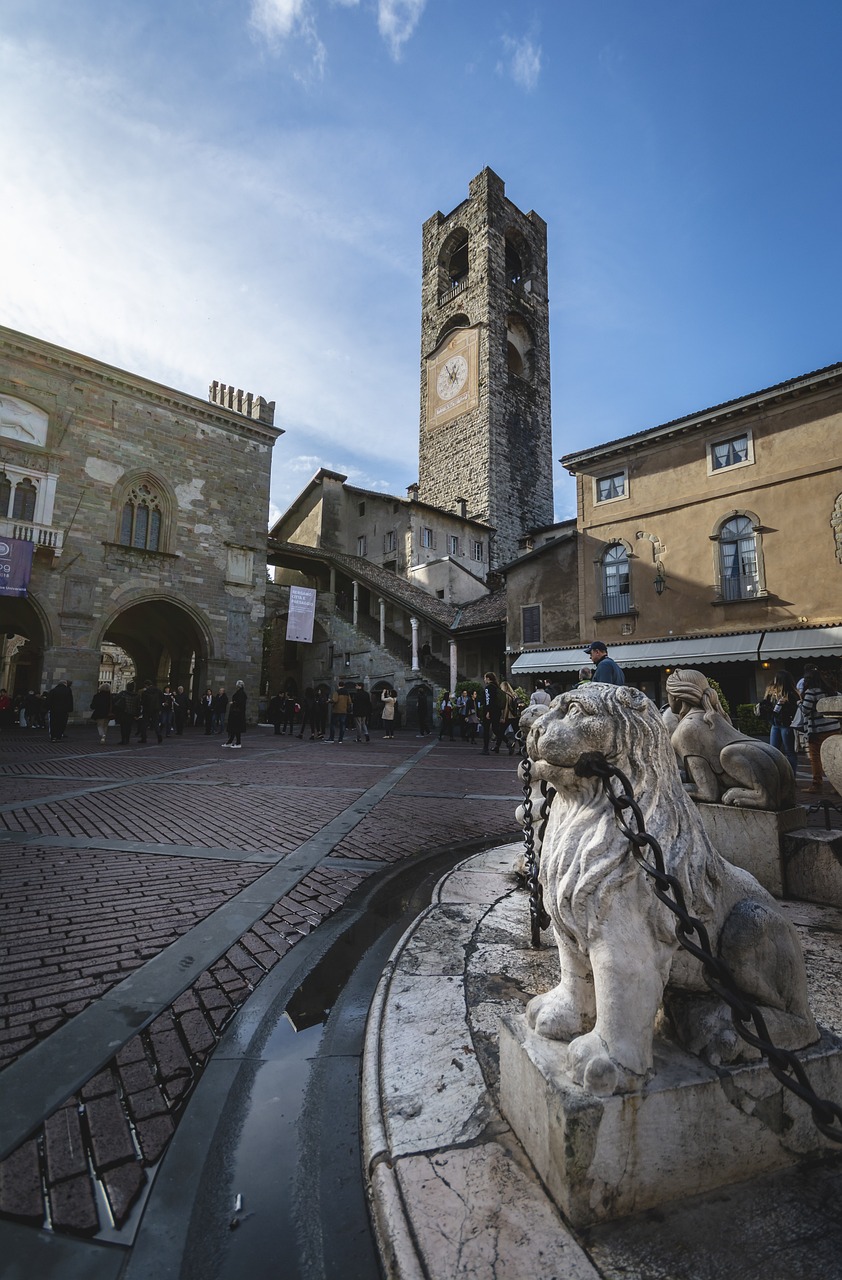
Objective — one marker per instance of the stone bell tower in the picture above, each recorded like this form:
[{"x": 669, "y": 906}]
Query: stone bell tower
[{"x": 485, "y": 365}]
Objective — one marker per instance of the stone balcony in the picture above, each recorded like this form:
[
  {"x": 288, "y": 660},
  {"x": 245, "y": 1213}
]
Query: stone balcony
[{"x": 43, "y": 535}]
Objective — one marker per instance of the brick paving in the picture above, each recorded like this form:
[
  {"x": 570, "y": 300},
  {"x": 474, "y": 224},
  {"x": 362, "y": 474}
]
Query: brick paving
[{"x": 79, "y": 919}]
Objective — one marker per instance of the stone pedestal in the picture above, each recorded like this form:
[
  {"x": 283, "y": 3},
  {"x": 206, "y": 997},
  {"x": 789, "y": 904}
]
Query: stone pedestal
[
  {"x": 752, "y": 839},
  {"x": 832, "y": 747},
  {"x": 813, "y": 866},
  {"x": 691, "y": 1129}
]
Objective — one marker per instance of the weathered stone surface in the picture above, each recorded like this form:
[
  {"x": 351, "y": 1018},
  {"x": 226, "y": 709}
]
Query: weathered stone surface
[
  {"x": 690, "y": 1129},
  {"x": 813, "y": 866},
  {"x": 20, "y": 1184},
  {"x": 752, "y": 839}
]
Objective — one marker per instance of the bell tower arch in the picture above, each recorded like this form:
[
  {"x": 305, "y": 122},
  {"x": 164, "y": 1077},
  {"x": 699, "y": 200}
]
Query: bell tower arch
[{"x": 486, "y": 432}]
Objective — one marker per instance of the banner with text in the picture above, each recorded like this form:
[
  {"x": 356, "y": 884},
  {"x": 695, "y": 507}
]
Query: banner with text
[
  {"x": 15, "y": 566},
  {"x": 302, "y": 613}
]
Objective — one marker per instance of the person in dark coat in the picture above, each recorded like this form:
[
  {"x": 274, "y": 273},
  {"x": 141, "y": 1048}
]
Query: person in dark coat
[
  {"x": 236, "y": 717},
  {"x": 101, "y": 710},
  {"x": 288, "y": 712},
  {"x": 491, "y": 704},
  {"x": 220, "y": 705},
  {"x": 308, "y": 713},
  {"x": 127, "y": 708},
  {"x": 150, "y": 710},
  {"x": 181, "y": 709},
  {"x": 275, "y": 710},
  {"x": 361, "y": 707},
  {"x": 60, "y": 703}
]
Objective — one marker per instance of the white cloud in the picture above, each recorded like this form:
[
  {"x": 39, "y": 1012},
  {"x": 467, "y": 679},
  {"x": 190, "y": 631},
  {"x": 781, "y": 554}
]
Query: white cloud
[
  {"x": 396, "y": 21},
  {"x": 524, "y": 64},
  {"x": 281, "y": 20}
]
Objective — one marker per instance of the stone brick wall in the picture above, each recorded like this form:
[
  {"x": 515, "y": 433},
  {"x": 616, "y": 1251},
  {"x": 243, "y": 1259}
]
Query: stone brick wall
[
  {"x": 497, "y": 456},
  {"x": 203, "y": 590}
]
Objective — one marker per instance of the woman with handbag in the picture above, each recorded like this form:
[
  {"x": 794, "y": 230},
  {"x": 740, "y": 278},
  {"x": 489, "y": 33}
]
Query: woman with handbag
[{"x": 782, "y": 701}]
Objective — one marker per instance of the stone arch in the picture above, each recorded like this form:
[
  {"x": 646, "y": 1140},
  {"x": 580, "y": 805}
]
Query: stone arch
[
  {"x": 25, "y": 618},
  {"x": 520, "y": 346},
  {"x": 167, "y": 639},
  {"x": 454, "y": 259},
  {"x": 459, "y": 321},
  {"x": 147, "y": 489},
  {"x": 518, "y": 260}
]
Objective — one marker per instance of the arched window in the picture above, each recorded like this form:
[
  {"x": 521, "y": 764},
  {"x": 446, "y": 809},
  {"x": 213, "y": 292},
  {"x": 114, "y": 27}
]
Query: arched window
[
  {"x": 519, "y": 357},
  {"x": 739, "y": 559},
  {"x": 616, "y": 594},
  {"x": 23, "y": 503},
  {"x": 5, "y": 494},
  {"x": 453, "y": 261},
  {"x": 140, "y": 520},
  {"x": 518, "y": 263}
]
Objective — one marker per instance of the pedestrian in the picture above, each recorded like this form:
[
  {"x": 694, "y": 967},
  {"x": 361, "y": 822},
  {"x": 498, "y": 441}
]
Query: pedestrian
[
  {"x": 819, "y": 727},
  {"x": 509, "y": 717},
  {"x": 274, "y": 712},
  {"x": 605, "y": 670},
  {"x": 446, "y": 720},
  {"x": 424, "y": 726},
  {"x": 779, "y": 706},
  {"x": 471, "y": 718},
  {"x": 206, "y": 710},
  {"x": 322, "y": 706},
  {"x": 127, "y": 709},
  {"x": 60, "y": 703},
  {"x": 181, "y": 710},
  {"x": 540, "y": 697},
  {"x": 101, "y": 710},
  {"x": 288, "y": 712},
  {"x": 236, "y": 717},
  {"x": 150, "y": 710},
  {"x": 585, "y": 677},
  {"x": 389, "y": 699},
  {"x": 361, "y": 706},
  {"x": 167, "y": 711},
  {"x": 7, "y": 711},
  {"x": 490, "y": 710},
  {"x": 308, "y": 713},
  {"x": 340, "y": 706},
  {"x": 220, "y": 706}
]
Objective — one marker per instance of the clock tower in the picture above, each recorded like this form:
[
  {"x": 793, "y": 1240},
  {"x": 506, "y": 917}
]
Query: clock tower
[{"x": 485, "y": 365}]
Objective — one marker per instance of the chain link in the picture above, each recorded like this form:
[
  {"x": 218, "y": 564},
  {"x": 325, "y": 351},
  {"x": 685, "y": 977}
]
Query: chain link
[
  {"x": 784, "y": 1064},
  {"x": 538, "y": 918}
]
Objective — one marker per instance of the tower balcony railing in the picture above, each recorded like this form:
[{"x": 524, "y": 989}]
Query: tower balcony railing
[
  {"x": 43, "y": 535},
  {"x": 453, "y": 292}
]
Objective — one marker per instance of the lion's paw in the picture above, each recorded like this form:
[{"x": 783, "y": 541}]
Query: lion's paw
[
  {"x": 590, "y": 1064},
  {"x": 552, "y": 1015}
]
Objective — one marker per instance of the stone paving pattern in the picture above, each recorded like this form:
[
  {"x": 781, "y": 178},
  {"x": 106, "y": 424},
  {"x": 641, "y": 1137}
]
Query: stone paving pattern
[{"x": 77, "y": 919}]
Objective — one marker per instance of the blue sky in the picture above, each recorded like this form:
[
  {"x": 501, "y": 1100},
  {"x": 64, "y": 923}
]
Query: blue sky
[{"x": 234, "y": 189}]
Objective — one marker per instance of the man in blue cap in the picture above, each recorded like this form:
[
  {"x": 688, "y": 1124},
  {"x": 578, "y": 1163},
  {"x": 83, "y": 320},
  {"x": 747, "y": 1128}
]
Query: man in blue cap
[{"x": 606, "y": 670}]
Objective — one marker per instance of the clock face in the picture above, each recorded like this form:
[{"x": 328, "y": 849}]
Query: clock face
[{"x": 452, "y": 377}]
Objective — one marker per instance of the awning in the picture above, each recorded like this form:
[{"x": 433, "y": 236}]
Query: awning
[
  {"x": 682, "y": 652},
  {"x": 807, "y": 642}
]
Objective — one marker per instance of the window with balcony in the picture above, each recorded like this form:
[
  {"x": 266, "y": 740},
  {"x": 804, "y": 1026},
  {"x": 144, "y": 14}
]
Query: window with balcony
[
  {"x": 611, "y": 488},
  {"x": 740, "y": 563},
  {"x": 616, "y": 592}
]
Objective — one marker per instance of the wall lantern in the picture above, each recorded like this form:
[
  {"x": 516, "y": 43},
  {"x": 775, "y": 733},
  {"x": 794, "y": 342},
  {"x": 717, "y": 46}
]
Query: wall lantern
[{"x": 660, "y": 580}]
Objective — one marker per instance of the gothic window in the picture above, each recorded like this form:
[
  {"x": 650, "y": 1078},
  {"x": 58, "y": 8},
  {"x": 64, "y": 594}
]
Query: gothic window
[
  {"x": 23, "y": 503},
  {"x": 519, "y": 348},
  {"x": 739, "y": 559},
  {"x": 141, "y": 519},
  {"x": 616, "y": 593}
]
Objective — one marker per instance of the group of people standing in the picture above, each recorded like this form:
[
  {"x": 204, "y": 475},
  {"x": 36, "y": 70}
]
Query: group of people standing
[{"x": 791, "y": 708}]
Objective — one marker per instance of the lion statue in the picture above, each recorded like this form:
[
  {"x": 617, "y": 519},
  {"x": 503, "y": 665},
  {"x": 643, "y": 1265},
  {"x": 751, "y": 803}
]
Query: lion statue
[
  {"x": 723, "y": 766},
  {"x": 622, "y": 970}
]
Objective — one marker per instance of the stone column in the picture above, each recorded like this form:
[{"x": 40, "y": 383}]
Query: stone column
[
  {"x": 413, "y": 622},
  {"x": 382, "y": 604},
  {"x": 453, "y": 668},
  {"x": 356, "y": 587}
]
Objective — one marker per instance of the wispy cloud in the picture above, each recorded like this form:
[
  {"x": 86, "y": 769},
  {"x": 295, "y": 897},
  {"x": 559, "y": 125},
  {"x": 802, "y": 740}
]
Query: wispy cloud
[
  {"x": 524, "y": 61},
  {"x": 396, "y": 21},
  {"x": 278, "y": 21}
]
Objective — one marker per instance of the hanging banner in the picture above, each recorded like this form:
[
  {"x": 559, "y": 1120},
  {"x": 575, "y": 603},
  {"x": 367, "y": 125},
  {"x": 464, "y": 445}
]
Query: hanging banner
[
  {"x": 15, "y": 566},
  {"x": 302, "y": 613}
]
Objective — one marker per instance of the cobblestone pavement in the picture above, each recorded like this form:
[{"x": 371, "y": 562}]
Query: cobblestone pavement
[{"x": 147, "y": 890}]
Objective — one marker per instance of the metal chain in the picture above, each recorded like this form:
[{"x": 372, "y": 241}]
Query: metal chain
[
  {"x": 538, "y": 918},
  {"x": 784, "y": 1064}
]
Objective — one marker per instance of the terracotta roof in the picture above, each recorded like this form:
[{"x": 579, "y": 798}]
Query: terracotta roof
[{"x": 487, "y": 611}]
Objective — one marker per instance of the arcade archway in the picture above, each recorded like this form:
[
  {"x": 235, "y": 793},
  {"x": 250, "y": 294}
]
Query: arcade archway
[
  {"x": 23, "y": 640},
  {"x": 165, "y": 643}
]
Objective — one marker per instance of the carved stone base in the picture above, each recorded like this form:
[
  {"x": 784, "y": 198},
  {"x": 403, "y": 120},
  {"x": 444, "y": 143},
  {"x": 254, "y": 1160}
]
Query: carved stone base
[
  {"x": 691, "y": 1129},
  {"x": 752, "y": 839},
  {"x": 813, "y": 863}
]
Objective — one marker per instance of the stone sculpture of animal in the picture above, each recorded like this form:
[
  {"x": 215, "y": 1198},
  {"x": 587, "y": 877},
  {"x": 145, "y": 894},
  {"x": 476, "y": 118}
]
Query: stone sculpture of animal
[
  {"x": 621, "y": 966},
  {"x": 724, "y": 766}
]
